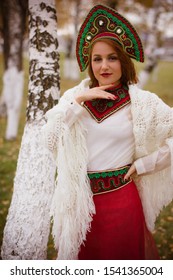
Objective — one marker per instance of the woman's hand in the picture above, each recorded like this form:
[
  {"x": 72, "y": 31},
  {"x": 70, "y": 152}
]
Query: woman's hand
[
  {"x": 130, "y": 172},
  {"x": 94, "y": 93}
]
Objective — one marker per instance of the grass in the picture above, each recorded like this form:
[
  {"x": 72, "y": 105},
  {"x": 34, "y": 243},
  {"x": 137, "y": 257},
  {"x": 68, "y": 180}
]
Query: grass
[{"x": 9, "y": 152}]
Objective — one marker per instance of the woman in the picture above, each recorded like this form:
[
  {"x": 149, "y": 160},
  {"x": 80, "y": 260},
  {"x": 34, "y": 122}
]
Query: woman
[{"x": 108, "y": 137}]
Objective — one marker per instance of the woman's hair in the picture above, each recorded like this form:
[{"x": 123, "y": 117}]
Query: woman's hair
[{"x": 127, "y": 66}]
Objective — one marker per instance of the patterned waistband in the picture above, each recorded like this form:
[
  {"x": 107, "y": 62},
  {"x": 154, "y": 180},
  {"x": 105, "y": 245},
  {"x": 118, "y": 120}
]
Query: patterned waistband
[{"x": 109, "y": 180}]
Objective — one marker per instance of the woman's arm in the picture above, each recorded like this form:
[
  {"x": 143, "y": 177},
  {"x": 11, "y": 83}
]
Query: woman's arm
[{"x": 154, "y": 162}]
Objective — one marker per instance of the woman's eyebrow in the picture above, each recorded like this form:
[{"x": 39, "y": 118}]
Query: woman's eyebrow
[{"x": 108, "y": 54}]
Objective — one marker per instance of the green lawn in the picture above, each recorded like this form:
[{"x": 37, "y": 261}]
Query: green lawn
[{"x": 9, "y": 152}]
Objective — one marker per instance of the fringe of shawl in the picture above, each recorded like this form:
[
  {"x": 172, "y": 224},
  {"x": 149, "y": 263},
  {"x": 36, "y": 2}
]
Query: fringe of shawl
[
  {"x": 73, "y": 206},
  {"x": 151, "y": 131}
]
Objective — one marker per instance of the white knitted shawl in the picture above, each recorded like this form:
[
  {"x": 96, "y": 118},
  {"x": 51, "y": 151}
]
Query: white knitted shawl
[{"x": 73, "y": 207}]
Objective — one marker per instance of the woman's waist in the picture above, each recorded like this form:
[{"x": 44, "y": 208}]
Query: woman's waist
[
  {"x": 106, "y": 160},
  {"x": 108, "y": 180}
]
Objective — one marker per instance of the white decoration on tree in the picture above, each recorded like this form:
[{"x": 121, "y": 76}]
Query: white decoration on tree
[
  {"x": 13, "y": 93},
  {"x": 28, "y": 223}
]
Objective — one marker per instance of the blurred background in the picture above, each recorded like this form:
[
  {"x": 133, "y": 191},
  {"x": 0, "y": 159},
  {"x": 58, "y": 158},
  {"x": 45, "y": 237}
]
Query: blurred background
[{"x": 153, "y": 20}]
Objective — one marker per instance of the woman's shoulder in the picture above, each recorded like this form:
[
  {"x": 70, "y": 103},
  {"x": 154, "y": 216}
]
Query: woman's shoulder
[
  {"x": 135, "y": 90},
  {"x": 141, "y": 94},
  {"x": 145, "y": 99}
]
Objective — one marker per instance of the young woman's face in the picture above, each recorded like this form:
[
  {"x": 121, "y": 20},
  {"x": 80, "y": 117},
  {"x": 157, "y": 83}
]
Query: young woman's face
[{"x": 105, "y": 64}]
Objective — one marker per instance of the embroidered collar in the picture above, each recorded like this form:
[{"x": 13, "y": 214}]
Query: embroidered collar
[{"x": 100, "y": 109}]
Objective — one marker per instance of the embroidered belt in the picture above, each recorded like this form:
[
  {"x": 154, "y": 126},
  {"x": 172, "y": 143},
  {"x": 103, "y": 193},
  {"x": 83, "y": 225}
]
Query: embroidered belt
[{"x": 109, "y": 180}]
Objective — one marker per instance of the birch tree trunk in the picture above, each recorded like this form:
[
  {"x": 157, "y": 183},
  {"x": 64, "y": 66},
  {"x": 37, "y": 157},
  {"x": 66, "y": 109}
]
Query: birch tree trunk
[
  {"x": 14, "y": 16},
  {"x": 71, "y": 69},
  {"x": 152, "y": 58},
  {"x": 151, "y": 62},
  {"x": 111, "y": 3},
  {"x": 28, "y": 222},
  {"x": 158, "y": 23}
]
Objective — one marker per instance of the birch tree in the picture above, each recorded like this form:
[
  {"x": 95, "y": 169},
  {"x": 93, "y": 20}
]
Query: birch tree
[
  {"x": 152, "y": 46},
  {"x": 28, "y": 221},
  {"x": 14, "y": 18},
  {"x": 157, "y": 17},
  {"x": 71, "y": 70},
  {"x": 111, "y": 3}
]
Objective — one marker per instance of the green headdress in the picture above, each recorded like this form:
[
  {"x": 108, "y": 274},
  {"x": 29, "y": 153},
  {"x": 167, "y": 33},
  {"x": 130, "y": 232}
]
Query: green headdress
[{"x": 104, "y": 22}]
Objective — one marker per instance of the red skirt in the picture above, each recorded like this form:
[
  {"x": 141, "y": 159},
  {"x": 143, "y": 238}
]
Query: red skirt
[{"x": 118, "y": 230}]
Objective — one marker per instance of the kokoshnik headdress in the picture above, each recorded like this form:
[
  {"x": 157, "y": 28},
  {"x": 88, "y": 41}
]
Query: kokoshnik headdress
[{"x": 104, "y": 22}]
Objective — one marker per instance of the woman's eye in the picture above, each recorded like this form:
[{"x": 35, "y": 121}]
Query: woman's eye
[
  {"x": 97, "y": 59},
  {"x": 113, "y": 58}
]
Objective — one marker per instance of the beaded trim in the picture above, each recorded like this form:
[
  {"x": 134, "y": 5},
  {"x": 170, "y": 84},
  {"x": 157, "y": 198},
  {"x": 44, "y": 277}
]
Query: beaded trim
[
  {"x": 109, "y": 180},
  {"x": 105, "y": 22}
]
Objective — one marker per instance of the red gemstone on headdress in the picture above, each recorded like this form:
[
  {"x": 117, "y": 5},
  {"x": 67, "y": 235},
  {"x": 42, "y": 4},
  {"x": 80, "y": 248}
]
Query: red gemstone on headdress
[
  {"x": 112, "y": 26},
  {"x": 86, "y": 44},
  {"x": 93, "y": 30},
  {"x": 131, "y": 51},
  {"x": 127, "y": 42}
]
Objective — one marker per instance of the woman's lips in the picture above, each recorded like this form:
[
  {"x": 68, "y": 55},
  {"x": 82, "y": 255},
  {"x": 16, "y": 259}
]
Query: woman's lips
[{"x": 106, "y": 75}]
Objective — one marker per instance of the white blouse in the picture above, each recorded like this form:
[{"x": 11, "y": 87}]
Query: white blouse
[{"x": 111, "y": 143}]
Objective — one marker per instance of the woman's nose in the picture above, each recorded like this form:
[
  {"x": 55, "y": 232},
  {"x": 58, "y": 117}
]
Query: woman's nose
[{"x": 104, "y": 64}]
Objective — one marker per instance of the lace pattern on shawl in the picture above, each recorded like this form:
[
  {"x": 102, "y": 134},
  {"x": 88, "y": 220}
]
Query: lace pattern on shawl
[
  {"x": 153, "y": 127},
  {"x": 72, "y": 206}
]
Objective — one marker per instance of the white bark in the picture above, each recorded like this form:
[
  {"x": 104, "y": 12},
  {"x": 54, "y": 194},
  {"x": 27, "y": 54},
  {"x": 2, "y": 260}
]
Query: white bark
[
  {"x": 145, "y": 75},
  {"x": 28, "y": 222},
  {"x": 27, "y": 227},
  {"x": 12, "y": 93},
  {"x": 143, "y": 78},
  {"x": 43, "y": 58},
  {"x": 71, "y": 69}
]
